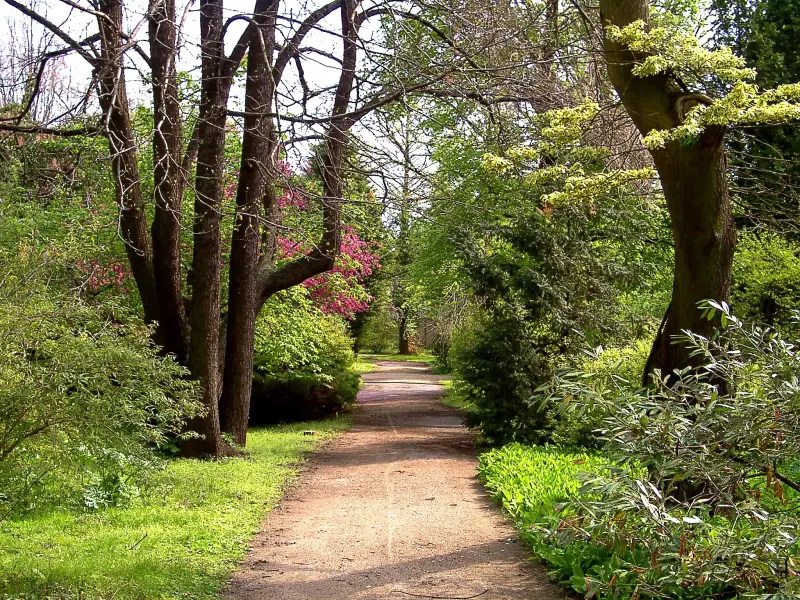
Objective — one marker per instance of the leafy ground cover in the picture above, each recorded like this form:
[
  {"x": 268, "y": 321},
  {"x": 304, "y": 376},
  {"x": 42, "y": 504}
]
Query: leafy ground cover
[
  {"x": 533, "y": 485},
  {"x": 182, "y": 540}
]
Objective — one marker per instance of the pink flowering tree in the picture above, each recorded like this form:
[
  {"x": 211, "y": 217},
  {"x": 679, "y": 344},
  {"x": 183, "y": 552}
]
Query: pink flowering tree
[{"x": 341, "y": 290}]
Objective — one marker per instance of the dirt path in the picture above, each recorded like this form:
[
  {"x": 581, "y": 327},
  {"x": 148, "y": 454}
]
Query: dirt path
[{"x": 391, "y": 510}]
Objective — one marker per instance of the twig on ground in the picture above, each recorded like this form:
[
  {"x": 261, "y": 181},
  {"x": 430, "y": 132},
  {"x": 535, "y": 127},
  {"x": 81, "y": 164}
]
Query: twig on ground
[{"x": 441, "y": 597}]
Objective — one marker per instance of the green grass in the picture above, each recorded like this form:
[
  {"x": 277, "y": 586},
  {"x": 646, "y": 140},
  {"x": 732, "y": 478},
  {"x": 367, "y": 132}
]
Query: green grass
[
  {"x": 362, "y": 366},
  {"x": 452, "y": 398},
  {"x": 198, "y": 520},
  {"x": 421, "y": 358},
  {"x": 529, "y": 481}
]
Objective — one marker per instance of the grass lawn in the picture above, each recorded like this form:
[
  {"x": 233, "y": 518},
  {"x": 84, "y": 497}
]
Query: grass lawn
[
  {"x": 421, "y": 358},
  {"x": 183, "y": 540},
  {"x": 362, "y": 366},
  {"x": 452, "y": 398}
]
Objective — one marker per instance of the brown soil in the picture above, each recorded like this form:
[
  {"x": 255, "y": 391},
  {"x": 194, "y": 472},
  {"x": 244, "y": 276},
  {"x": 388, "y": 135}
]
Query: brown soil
[{"x": 392, "y": 509}]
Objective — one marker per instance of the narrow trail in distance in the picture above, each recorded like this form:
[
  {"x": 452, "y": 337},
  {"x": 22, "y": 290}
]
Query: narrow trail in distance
[{"x": 391, "y": 509}]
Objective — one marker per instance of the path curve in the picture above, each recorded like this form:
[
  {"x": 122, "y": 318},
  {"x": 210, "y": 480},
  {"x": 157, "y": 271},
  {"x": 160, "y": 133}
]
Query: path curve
[{"x": 391, "y": 510}]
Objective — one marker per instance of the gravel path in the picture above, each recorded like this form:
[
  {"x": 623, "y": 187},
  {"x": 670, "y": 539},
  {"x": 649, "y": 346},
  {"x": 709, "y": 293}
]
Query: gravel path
[{"x": 391, "y": 510}]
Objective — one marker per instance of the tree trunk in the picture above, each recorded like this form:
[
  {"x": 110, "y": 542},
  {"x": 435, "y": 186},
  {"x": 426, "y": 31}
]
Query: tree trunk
[
  {"x": 404, "y": 243},
  {"x": 113, "y": 100},
  {"x": 695, "y": 186},
  {"x": 256, "y": 170},
  {"x": 403, "y": 345},
  {"x": 205, "y": 305},
  {"x": 693, "y": 177},
  {"x": 167, "y": 173}
]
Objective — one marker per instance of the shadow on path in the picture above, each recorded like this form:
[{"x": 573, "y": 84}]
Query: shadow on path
[{"x": 392, "y": 509}]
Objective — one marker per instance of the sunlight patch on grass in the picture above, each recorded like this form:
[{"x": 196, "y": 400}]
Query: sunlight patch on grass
[
  {"x": 362, "y": 366},
  {"x": 183, "y": 540},
  {"x": 421, "y": 358},
  {"x": 452, "y": 398}
]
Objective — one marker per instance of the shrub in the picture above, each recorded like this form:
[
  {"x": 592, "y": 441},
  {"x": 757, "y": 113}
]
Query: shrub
[
  {"x": 302, "y": 357},
  {"x": 766, "y": 279},
  {"x": 380, "y": 333},
  {"x": 581, "y": 424},
  {"x": 714, "y": 513},
  {"x": 498, "y": 367},
  {"x": 84, "y": 400}
]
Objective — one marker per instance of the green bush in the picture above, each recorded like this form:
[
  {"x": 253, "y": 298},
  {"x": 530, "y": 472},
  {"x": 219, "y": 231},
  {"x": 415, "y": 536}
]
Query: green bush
[
  {"x": 580, "y": 422},
  {"x": 766, "y": 279},
  {"x": 84, "y": 400},
  {"x": 708, "y": 511},
  {"x": 498, "y": 368},
  {"x": 380, "y": 333},
  {"x": 302, "y": 360}
]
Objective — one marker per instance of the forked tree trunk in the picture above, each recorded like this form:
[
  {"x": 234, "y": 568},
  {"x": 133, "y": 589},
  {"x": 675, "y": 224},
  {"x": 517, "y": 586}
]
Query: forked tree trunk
[
  {"x": 256, "y": 171},
  {"x": 269, "y": 280},
  {"x": 693, "y": 177}
]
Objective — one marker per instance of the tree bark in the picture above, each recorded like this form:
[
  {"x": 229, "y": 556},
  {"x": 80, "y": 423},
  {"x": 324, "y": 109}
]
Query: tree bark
[
  {"x": 403, "y": 346},
  {"x": 694, "y": 180},
  {"x": 205, "y": 303},
  {"x": 113, "y": 98},
  {"x": 404, "y": 244},
  {"x": 168, "y": 188},
  {"x": 257, "y": 169},
  {"x": 322, "y": 257}
]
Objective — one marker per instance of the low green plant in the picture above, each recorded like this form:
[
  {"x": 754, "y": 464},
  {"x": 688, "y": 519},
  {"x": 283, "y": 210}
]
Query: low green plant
[
  {"x": 531, "y": 482},
  {"x": 535, "y": 484},
  {"x": 303, "y": 360},
  {"x": 709, "y": 509}
]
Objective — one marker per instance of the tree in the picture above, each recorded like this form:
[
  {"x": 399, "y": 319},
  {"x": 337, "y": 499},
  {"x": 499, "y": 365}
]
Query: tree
[
  {"x": 694, "y": 180},
  {"x": 212, "y": 337}
]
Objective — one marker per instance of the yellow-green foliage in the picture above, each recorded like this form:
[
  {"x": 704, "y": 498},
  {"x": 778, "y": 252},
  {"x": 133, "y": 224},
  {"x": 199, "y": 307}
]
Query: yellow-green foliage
[
  {"x": 530, "y": 481},
  {"x": 579, "y": 420},
  {"x": 766, "y": 271},
  {"x": 674, "y": 51},
  {"x": 577, "y": 176},
  {"x": 671, "y": 50},
  {"x": 618, "y": 367},
  {"x": 745, "y": 104}
]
